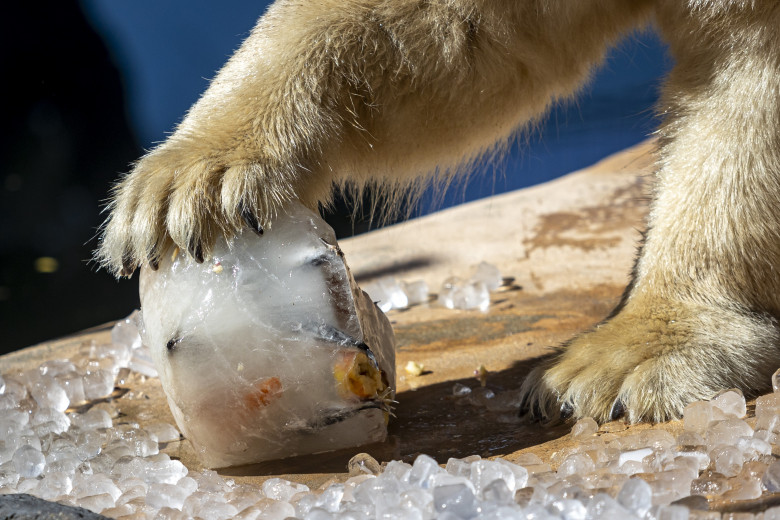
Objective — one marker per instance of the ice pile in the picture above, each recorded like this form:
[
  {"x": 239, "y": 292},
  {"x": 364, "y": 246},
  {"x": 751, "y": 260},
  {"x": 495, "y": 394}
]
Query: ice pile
[
  {"x": 270, "y": 350},
  {"x": 455, "y": 292},
  {"x": 44, "y": 394},
  {"x": 90, "y": 456}
]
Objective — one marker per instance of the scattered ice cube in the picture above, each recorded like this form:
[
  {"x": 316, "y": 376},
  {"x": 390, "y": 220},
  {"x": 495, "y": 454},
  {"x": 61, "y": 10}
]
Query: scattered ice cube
[
  {"x": 697, "y": 415},
  {"x": 243, "y": 332},
  {"x": 771, "y": 478},
  {"x": 73, "y": 384},
  {"x": 729, "y": 403},
  {"x": 727, "y": 460},
  {"x": 56, "y": 367},
  {"x": 54, "y": 485},
  {"x": 416, "y": 292},
  {"x": 458, "y": 500},
  {"x": 29, "y": 461},
  {"x": 634, "y": 455},
  {"x": 163, "y": 432},
  {"x": 460, "y": 390},
  {"x": 142, "y": 362},
  {"x": 50, "y": 420},
  {"x": 98, "y": 383},
  {"x": 282, "y": 490},
  {"x": 119, "y": 354},
  {"x": 92, "y": 419},
  {"x": 166, "y": 495},
  {"x": 636, "y": 495},
  {"x": 48, "y": 393},
  {"x": 489, "y": 275},
  {"x": 585, "y": 427},
  {"x": 456, "y": 293},
  {"x": 576, "y": 464},
  {"x": 387, "y": 293},
  {"x": 768, "y": 404},
  {"x": 727, "y": 432}
]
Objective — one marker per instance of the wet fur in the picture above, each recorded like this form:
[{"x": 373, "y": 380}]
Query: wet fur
[{"x": 395, "y": 93}]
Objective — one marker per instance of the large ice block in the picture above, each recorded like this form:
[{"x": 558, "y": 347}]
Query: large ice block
[{"x": 270, "y": 349}]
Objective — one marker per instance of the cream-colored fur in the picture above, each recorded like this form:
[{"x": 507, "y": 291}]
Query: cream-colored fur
[{"x": 388, "y": 92}]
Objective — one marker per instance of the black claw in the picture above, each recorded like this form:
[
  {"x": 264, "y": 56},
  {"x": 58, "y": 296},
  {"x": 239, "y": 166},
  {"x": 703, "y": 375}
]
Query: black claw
[
  {"x": 618, "y": 410},
  {"x": 567, "y": 410},
  {"x": 154, "y": 261},
  {"x": 523, "y": 411},
  {"x": 127, "y": 265},
  {"x": 537, "y": 411},
  {"x": 196, "y": 251},
  {"x": 251, "y": 221},
  {"x": 525, "y": 406}
]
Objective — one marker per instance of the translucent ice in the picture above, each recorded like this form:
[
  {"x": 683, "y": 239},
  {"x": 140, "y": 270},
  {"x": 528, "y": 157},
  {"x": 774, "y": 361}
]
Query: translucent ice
[
  {"x": 29, "y": 461},
  {"x": 489, "y": 275},
  {"x": 771, "y": 478},
  {"x": 163, "y": 432},
  {"x": 126, "y": 332},
  {"x": 727, "y": 459},
  {"x": 459, "y": 294},
  {"x": 697, "y": 415},
  {"x": 768, "y": 404},
  {"x": 585, "y": 427},
  {"x": 49, "y": 394},
  {"x": 456, "y": 499},
  {"x": 727, "y": 432},
  {"x": 98, "y": 383},
  {"x": 729, "y": 403},
  {"x": 269, "y": 350},
  {"x": 416, "y": 292},
  {"x": 388, "y": 294},
  {"x": 636, "y": 495}
]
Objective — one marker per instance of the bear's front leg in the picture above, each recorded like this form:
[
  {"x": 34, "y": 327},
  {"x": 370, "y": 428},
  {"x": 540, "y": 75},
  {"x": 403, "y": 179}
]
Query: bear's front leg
[
  {"x": 701, "y": 314},
  {"x": 324, "y": 93}
]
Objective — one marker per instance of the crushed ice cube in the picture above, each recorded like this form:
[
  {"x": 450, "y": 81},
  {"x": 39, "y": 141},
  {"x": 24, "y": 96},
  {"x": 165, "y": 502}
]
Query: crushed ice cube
[
  {"x": 636, "y": 495},
  {"x": 771, "y": 478},
  {"x": 768, "y": 404},
  {"x": 460, "y": 390},
  {"x": 456, "y": 293},
  {"x": 457, "y": 499},
  {"x": 29, "y": 461},
  {"x": 585, "y": 427},
  {"x": 416, "y": 291},
  {"x": 729, "y": 403},
  {"x": 163, "y": 432},
  {"x": 230, "y": 346},
  {"x": 489, "y": 275},
  {"x": 98, "y": 383},
  {"x": 387, "y": 293},
  {"x": 697, "y": 415}
]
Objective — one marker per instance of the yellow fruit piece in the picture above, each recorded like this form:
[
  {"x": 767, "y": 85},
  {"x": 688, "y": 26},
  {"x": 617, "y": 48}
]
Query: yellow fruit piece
[
  {"x": 356, "y": 376},
  {"x": 414, "y": 369}
]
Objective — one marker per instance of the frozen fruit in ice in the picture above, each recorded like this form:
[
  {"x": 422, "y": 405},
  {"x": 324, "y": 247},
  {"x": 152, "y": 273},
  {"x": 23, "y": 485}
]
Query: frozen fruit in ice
[{"x": 277, "y": 352}]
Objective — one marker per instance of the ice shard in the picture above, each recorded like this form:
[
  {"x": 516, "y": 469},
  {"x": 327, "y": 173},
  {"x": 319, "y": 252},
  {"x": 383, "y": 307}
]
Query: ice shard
[{"x": 270, "y": 349}]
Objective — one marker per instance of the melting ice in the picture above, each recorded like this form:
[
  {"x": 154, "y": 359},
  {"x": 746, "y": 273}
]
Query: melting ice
[{"x": 271, "y": 349}]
